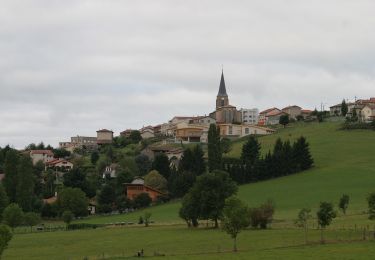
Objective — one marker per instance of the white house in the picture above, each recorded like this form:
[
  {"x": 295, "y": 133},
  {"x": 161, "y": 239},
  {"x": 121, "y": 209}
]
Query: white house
[{"x": 41, "y": 155}]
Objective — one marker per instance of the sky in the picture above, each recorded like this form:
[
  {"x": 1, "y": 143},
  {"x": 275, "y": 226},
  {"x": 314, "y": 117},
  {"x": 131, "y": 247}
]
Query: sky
[{"x": 72, "y": 67}]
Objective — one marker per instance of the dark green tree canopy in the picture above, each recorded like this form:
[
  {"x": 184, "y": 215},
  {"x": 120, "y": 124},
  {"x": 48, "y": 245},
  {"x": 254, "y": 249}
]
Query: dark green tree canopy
[
  {"x": 161, "y": 164},
  {"x": 214, "y": 148}
]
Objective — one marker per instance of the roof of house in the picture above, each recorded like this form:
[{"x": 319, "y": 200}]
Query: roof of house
[
  {"x": 146, "y": 186},
  {"x": 268, "y": 110},
  {"x": 289, "y": 107},
  {"x": 48, "y": 152},
  {"x": 275, "y": 113},
  {"x": 306, "y": 111},
  {"x": 50, "y": 200},
  {"x": 104, "y": 131},
  {"x": 56, "y": 161},
  {"x": 222, "y": 89}
]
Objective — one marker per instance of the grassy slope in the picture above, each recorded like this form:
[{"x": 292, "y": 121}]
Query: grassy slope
[{"x": 345, "y": 163}]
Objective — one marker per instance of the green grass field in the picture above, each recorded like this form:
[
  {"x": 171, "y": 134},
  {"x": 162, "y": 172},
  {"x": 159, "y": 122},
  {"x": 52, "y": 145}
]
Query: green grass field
[{"x": 344, "y": 163}]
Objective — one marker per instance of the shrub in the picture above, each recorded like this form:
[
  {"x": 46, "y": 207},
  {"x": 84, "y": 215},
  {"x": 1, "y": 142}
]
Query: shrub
[{"x": 263, "y": 215}]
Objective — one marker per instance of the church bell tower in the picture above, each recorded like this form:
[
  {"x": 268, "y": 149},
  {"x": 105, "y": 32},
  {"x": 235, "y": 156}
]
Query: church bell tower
[{"x": 222, "y": 97}]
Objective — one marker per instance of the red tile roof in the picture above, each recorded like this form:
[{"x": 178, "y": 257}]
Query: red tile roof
[{"x": 268, "y": 110}]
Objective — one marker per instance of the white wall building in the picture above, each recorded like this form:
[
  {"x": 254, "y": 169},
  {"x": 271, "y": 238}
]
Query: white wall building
[{"x": 250, "y": 116}]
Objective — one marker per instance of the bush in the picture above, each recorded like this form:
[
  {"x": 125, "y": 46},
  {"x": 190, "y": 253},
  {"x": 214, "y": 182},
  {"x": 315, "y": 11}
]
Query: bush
[
  {"x": 5, "y": 237},
  {"x": 142, "y": 200},
  {"x": 82, "y": 226},
  {"x": 263, "y": 215}
]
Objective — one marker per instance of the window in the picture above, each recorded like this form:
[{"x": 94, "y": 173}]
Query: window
[
  {"x": 230, "y": 130},
  {"x": 247, "y": 131}
]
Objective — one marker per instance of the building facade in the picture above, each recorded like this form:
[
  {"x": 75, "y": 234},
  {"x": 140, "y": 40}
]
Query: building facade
[
  {"x": 104, "y": 136},
  {"x": 249, "y": 116}
]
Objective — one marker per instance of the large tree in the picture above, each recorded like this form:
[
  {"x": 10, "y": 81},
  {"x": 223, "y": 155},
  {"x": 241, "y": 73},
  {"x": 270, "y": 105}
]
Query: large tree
[
  {"x": 193, "y": 161},
  {"x": 344, "y": 203},
  {"x": 155, "y": 180},
  {"x": 161, "y": 164},
  {"x": 214, "y": 148},
  {"x": 73, "y": 199},
  {"x": 284, "y": 120},
  {"x": 3, "y": 200},
  {"x": 250, "y": 151},
  {"x": 10, "y": 179},
  {"x": 13, "y": 215},
  {"x": 211, "y": 190},
  {"x": 5, "y": 237},
  {"x": 302, "y": 155},
  {"x": 25, "y": 184}
]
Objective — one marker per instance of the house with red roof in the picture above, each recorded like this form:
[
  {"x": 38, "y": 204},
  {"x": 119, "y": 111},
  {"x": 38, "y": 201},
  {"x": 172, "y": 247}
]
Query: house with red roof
[{"x": 60, "y": 165}]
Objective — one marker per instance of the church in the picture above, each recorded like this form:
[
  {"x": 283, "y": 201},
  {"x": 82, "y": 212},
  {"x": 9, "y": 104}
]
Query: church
[{"x": 225, "y": 113}]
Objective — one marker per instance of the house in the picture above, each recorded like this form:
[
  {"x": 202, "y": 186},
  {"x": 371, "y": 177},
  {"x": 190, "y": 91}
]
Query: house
[
  {"x": 60, "y": 165},
  {"x": 110, "y": 171},
  {"x": 137, "y": 187},
  {"x": 292, "y": 111},
  {"x": 367, "y": 113},
  {"x": 41, "y": 155},
  {"x": 147, "y": 132},
  {"x": 335, "y": 110},
  {"x": 157, "y": 130},
  {"x": 190, "y": 133},
  {"x": 104, "y": 136},
  {"x": 202, "y": 120},
  {"x": 126, "y": 133},
  {"x": 273, "y": 118},
  {"x": 250, "y": 116},
  {"x": 263, "y": 116},
  {"x": 80, "y": 142},
  {"x": 306, "y": 113},
  {"x": 237, "y": 131}
]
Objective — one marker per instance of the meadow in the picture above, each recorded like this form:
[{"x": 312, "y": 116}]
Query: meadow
[{"x": 344, "y": 163}]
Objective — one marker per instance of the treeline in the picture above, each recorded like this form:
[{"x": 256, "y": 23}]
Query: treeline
[{"x": 285, "y": 159}]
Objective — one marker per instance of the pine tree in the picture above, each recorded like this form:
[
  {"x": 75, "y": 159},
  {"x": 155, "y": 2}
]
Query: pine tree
[
  {"x": 25, "y": 184},
  {"x": 10, "y": 179},
  {"x": 161, "y": 164},
  {"x": 199, "y": 165},
  {"x": 250, "y": 151},
  {"x": 186, "y": 163},
  {"x": 302, "y": 154},
  {"x": 214, "y": 149},
  {"x": 344, "y": 108}
]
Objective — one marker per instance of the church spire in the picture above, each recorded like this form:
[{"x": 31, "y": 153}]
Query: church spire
[{"x": 222, "y": 89}]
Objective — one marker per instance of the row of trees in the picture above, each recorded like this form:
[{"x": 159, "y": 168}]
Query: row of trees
[{"x": 285, "y": 159}]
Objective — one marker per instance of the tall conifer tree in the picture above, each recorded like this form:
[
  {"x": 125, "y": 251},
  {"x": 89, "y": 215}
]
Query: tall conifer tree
[
  {"x": 25, "y": 184},
  {"x": 10, "y": 169},
  {"x": 214, "y": 149}
]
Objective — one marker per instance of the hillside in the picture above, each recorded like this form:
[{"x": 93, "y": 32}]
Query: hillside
[{"x": 344, "y": 163}]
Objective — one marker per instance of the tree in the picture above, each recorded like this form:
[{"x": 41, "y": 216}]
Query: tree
[
  {"x": 75, "y": 178},
  {"x": 301, "y": 154},
  {"x": 10, "y": 179},
  {"x": 371, "y": 205},
  {"x": 135, "y": 136},
  {"x": 94, "y": 157},
  {"x": 192, "y": 161},
  {"x": 344, "y": 202},
  {"x": 13, "y": 215},
  {"x": 106, "y": 198},
  {"x": 235, "y": 218},
  {"x": 344, "y": 108},
  {"x": 67, "y": 217},
  {"x": 262, "y": 215},
  {"x": 61, "y": 153},
  {"x": 284, "y": 120},
  {"x": 31, "y": 219},
  {"x": 25, "y": 184},
  {"x": 144, "y": 164},
  {"x": 226, "y": 145},
  {"x": 161, "y": 164},
  {"x": 156, "y": 181},
  {"x": 147, "y": 218},
  {"x": 325, "y": 215},
  {"x": 179, "y": 183},
  {"x": 74, "y": 200},
  {"x": 3, "y": 200},
  {"x": 5, "y": 237},
  {"x": 214, "y": 148},
  {"x": 189, "y": 210},
  {"x": 208, "y": 195},
  {"x": 250, "y": 151},
  {"x": 302, "y": 221},
  {"x": 143, "y": 200}
]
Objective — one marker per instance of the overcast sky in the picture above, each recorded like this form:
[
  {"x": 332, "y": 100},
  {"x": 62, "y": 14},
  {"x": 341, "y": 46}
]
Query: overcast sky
[{"x": 72, "y": 67}]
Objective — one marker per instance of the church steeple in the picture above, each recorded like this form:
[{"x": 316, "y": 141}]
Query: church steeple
[{"x": 222, "y": 97}]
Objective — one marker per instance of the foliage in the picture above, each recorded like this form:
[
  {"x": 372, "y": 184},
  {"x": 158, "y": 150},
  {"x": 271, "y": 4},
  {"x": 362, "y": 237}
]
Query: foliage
[
  {"x": 344, "y": 108},
  {"x": 226, "y": 145},
  {"x": 179, "y": 183},
  {"x": 214, "y": 148},
  {"x": 61, "y": 153},
  {"x": 13, "y": 215},
  {"x": 74, "y": 200},
  {"x": 67, "y": 217},
  {"x": 161, "y": 164},
  {"x": 192, "y": 161},
  {"x": 25, "y": 184},
  {"x": 235, "y": 218},
  {"x": 31, "y": 219},
  {"x": 284, "y": 120},
  {"x": 325, "y": 215},
  {"x": 135, "y": 136},
  {"x": 80, "y": 226},
  {"x": 75, "y": 178},
  {"x": 50, "y": 210},
  {"x": 5, "y": 237},
  {"x": 147, "y": 218},
  {"x": 144, "y": 164},
  {"x": 209, "y": 194},
  {"x": 263, "y": 215},
  {"x": 156, "y": 181},
  {"x": 250, "y": 151},
  {"x": 4, "y": 201},
  {"x": 106, "y": 198},
  {"x": 371, "y": 205},
  {"x": 143, "y": 200},
  {"x": 302, "y": 221},
  {"x": 94, "y": 157},
  {"x": 189, "y": 210},
  {"x": 10, "y": 179},
  {"x": 344, "y": 203}
]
